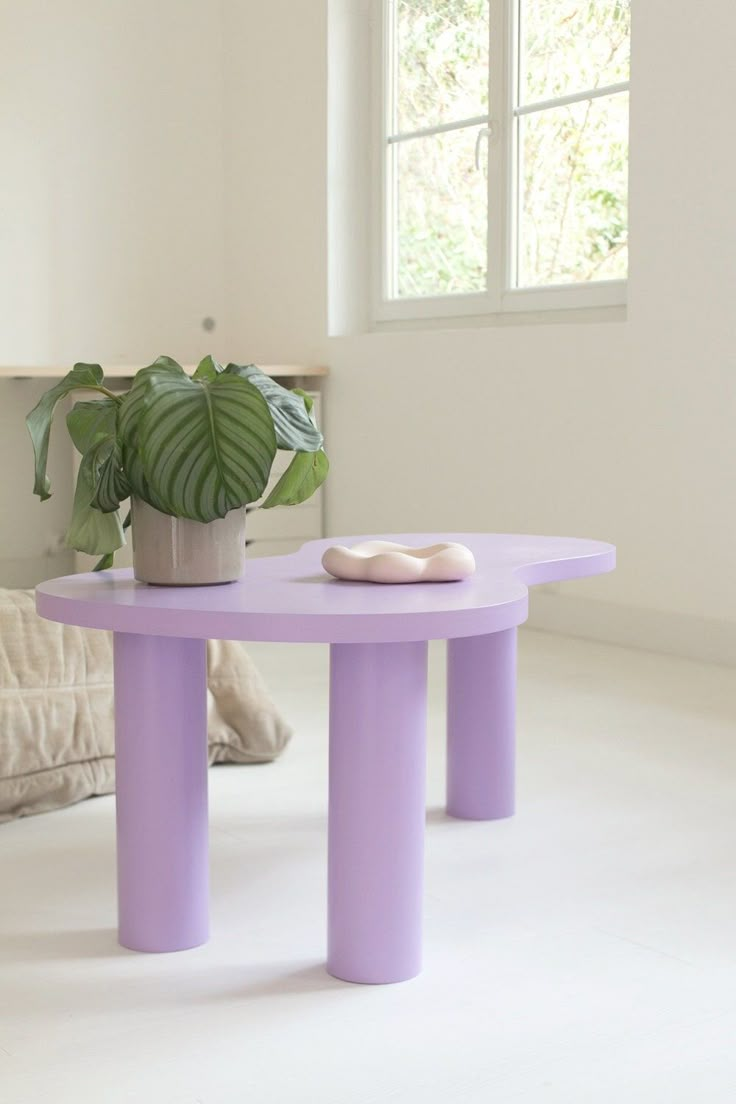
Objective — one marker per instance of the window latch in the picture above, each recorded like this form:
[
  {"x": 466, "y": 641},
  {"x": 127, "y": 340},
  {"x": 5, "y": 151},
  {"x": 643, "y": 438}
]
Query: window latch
[{"x": 484, "y": 132}]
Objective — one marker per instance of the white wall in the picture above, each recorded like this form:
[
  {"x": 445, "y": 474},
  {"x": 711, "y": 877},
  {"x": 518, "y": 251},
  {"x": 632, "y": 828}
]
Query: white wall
[
  {"x": 619, "y": 430},
  {"x": 111, "y": 212},
  {"x": 276, "y": 77},
  {"x": 111, "y": 190},
  {"x": 31, "y": 534}
]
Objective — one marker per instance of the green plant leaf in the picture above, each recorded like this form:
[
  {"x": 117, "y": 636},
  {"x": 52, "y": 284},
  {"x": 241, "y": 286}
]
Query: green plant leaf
[
  {"x": 207, "y": 369},
  {"x": 112, "y": 483},
  {"x": 105, "y": 563},
  {"x": 206, "y": 446},
  {"x": 90, "y": 421},
  {"x": 306, "y": 472},
  {"x": 308, "y": 401},
  {"x": 90, "y": 530},
  {"x": 295, "y": 430},
  {"x": 40, "y": 418},
  {"x": 108, "y": 559},
  {"x": 93, "y": 421},
  {"x": 130, "y": 413}
]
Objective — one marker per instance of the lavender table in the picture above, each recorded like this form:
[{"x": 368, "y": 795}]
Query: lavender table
[{"x": 378, "y": 681}]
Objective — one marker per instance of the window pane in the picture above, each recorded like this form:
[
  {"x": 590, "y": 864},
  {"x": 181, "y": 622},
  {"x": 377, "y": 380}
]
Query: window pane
[
  {"x": 572, "y": 193},
  {"x": 441, "y": 61},
  {"x": 441, "y": 213},
  {"x": 571, "y": 46}
]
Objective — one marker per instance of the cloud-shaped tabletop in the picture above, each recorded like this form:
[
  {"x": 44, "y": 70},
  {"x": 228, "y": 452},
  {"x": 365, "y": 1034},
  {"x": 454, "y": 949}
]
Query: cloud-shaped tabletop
[{"x": 292, "y": 598}]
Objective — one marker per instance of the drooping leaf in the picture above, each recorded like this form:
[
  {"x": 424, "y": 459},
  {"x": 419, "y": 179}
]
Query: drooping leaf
[
  {"x": 307, "y": 400},
  {"x": 206, "y": 446},
  {"x": 90, "y": 421},
  {"x": 308, "y": 403},
  {"x": 112, "y": 483},
  {"x": 105, "y": 563},
  {"x": 108, "y": 559},
  {"x": 295, "y": 430},
  {"x": 129, "y": 417},
  {"x": 90, "y": 530},
  {"x": 87, "y": 376},
  {"x": 306, "y": 472}
]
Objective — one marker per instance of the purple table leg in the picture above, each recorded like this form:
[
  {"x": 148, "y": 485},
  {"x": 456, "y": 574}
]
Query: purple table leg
[
  {"x": 481, "y": 723},
  {"x": 378, "y": 710},
  {"x": 161, "y": 783}
]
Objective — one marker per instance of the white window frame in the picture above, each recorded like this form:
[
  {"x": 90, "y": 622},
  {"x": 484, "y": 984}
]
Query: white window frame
[{"x": 500, "y": 297}]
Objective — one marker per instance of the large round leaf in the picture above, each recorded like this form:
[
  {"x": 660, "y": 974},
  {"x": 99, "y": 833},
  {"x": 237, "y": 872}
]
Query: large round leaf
[
  {"x": 206, "y": 445},
  {"x": 295, "y": 429},
  {"x": 130, "y": 414}
]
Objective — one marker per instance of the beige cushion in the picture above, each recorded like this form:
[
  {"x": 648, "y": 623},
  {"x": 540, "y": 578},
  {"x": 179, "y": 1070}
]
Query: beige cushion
[{"x": 56, "y": 710}]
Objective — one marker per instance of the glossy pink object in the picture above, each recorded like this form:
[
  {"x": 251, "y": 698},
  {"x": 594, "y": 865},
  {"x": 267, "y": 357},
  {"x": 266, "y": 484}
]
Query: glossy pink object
[
  {"x": 377, "y": 727},
  {"x": 385, "y": 562}
]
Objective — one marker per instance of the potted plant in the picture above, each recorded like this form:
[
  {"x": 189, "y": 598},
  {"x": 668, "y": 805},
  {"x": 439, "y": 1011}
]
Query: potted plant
[{"x": 190, "y": 452}]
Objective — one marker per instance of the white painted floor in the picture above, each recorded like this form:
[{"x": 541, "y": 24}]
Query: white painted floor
[{"x": 584, "y": 951}]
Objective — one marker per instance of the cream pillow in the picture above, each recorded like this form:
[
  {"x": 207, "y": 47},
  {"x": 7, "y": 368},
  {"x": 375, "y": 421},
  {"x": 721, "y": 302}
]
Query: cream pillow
[{"x": 56, "y": 710}]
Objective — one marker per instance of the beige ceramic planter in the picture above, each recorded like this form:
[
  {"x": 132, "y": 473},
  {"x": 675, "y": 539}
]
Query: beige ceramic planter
[{"x": 171, "y": 551}]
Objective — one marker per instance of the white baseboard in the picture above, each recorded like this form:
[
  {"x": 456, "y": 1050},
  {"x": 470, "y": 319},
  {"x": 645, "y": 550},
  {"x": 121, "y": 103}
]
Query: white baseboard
[{"x": 700, "y": 638}]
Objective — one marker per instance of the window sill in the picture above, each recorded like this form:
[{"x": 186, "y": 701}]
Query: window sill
[
  {"x": 600, "y": 302},
  {"x": 569, "y": 316}
]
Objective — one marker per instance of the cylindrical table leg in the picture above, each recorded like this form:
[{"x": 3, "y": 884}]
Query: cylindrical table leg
[
  {"x": 161, "y": 785},
  {"x": 481, "y": 726},
  {"x": 378, "y": 708}
]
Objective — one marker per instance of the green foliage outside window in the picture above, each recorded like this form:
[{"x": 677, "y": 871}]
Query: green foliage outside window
[{"x": 572, "y": 178}]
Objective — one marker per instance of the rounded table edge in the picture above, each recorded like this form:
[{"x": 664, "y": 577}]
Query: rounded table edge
[{"x": 279, "y": 628}]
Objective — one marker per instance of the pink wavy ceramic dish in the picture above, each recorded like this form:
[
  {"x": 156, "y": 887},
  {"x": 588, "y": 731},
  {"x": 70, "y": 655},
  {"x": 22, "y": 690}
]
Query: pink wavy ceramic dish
[{"x": 385, "y": 562}]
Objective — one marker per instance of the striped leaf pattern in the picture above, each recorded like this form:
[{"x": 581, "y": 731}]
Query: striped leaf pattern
[
  {"x": 89, "y": 424},
  {"x": 295, "y": 430},
  {"x": 193, "y": 448},
  {"x": 112, "y": 483},
  {"x": 130, "y": 413},
  {"x": 206, "y": 445}
]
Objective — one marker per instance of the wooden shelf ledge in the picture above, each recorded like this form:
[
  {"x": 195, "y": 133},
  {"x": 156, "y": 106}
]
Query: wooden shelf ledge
[{"x": 125, "y": 371}]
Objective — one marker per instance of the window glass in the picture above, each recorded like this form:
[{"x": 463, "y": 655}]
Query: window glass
[
  {"x": 441, "y": 209},
  {"x": 571, "y": 46},
  {"x": 441, "y": 61},
  {"x": 573, "y": 216}
]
